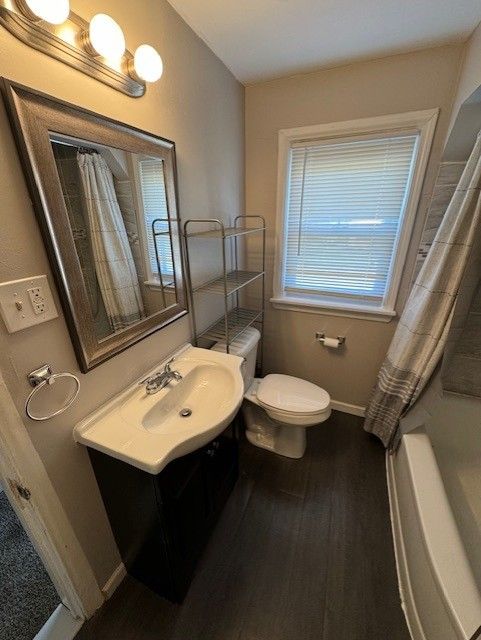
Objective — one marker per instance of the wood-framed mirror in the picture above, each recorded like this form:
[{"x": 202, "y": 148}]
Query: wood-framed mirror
[{"x": 105, "y": 195}]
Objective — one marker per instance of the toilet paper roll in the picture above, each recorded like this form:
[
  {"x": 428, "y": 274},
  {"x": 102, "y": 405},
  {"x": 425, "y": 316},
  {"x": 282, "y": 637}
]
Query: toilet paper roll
[{"x": 331, "y": 343}]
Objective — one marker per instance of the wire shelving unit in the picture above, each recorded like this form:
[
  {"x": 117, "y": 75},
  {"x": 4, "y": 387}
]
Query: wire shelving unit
[{"x": 230, "y": 283}]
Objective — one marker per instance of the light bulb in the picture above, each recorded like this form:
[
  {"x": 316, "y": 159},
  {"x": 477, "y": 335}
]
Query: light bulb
[
  {"x": 148, "y": 64},
  {"x": 106, "y": 37},
  {"x": 53, "y": 11}
]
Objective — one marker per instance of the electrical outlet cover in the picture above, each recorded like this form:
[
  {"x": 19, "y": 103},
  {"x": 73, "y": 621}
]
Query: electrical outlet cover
[
  {"x": 26, "y": 303},
  {"x": 37, "y": 300}
]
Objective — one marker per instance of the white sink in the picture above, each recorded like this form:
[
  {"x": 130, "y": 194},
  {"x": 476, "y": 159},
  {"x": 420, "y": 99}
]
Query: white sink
[{"x": 148, "y": 431}]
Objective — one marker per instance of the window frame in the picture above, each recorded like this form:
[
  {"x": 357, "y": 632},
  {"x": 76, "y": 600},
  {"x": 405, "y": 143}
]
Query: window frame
[
  {"x": 151, "y": 279},
  {"x": 421, "y": 123}
]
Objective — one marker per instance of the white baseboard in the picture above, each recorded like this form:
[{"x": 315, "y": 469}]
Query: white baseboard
[
  {"x": 60, "y": 626},
  {"x": 114, "y": 581},
  {"x": 345, "y": 407}
]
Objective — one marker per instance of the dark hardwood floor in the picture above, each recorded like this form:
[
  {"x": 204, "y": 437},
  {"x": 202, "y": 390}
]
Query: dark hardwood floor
[{"x": 303, "y": 551}]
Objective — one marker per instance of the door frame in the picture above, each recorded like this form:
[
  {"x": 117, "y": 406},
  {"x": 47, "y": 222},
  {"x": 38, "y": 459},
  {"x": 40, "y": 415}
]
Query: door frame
[{"x": 38, "y": 507}]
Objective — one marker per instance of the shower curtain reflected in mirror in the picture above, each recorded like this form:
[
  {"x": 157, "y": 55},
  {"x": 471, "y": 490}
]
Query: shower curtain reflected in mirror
[{"x": 114, "y": 263}]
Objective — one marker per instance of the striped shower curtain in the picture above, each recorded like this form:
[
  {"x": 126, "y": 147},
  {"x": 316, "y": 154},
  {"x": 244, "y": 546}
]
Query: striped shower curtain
[
  {"x": 114, "y": 263},
  {"x": 421, "y": 334}
]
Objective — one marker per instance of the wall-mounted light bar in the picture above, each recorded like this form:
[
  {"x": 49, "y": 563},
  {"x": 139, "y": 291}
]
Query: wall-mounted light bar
[
  {"x": 97, "y": 48},
  {"x": 53, "y": 11}
]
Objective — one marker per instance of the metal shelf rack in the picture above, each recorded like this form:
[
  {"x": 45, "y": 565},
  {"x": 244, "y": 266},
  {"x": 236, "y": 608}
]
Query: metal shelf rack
[
  {"x": 235, "y": 318},
  {"x": 156, "y": 233},
  {"x": 235, "y": 280}
]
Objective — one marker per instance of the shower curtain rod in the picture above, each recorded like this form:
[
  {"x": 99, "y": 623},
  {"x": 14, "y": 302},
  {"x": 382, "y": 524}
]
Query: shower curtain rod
[{"x": 80, "y": 148}]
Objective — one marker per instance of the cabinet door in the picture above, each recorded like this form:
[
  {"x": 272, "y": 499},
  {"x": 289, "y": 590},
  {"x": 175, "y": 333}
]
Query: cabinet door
[
  {"x": 221, "y": 471},
  {"x": 182, "y": 504}
]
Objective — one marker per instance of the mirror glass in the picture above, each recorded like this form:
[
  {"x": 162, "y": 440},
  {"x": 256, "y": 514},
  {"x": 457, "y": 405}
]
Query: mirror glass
[{"x": 117, "y": 209}]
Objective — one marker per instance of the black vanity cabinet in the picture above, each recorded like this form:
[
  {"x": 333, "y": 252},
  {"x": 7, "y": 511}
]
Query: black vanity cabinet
[{"x": 162, "y": 523}]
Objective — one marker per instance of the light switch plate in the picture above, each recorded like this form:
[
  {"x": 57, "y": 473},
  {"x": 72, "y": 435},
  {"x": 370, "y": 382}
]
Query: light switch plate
[{"x": 26, "y": 303}]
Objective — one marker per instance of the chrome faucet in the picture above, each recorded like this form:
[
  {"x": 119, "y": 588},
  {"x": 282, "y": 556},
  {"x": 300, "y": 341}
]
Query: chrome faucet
[{"x": 161, "y": 379}]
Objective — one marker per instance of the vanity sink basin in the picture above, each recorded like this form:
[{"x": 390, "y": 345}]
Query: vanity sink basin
[
  {"x": 148, "y": 431},
  {"x": 202, "y": 397}
]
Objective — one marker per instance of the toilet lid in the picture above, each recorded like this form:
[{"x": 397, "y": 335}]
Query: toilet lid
[{"x": 293, "y": 395}]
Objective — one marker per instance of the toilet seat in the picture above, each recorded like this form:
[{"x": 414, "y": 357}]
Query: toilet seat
[{"x": 289, "y": 396}]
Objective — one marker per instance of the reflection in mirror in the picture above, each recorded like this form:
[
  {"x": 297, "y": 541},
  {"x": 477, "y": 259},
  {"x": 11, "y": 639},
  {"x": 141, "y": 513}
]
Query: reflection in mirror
[{"x": 117, "y": 209}]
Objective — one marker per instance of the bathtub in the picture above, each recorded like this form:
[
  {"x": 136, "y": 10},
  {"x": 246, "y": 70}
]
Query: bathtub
[{"x": 439, "y": 591}]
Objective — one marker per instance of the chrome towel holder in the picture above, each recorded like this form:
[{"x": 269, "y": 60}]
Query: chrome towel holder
[{"x": 40, "y": 378}]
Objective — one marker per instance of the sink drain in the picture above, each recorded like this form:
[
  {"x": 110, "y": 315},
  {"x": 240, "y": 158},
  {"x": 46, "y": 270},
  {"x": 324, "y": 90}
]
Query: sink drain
[{"x": 185, "y": 413}]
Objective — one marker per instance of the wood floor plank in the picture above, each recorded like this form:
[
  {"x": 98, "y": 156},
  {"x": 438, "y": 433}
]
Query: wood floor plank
[
  {"x": 303, "y": 551},
  {"x": 302, "y": 615},
  {"x": 360, "y": 547},
  {"x": 227, "y": 591},
  {"x": 270, "y": 592}
]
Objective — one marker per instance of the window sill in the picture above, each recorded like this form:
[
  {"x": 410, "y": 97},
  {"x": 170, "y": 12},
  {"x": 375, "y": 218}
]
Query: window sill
[
  {"x": 307, "y": 305},
  {"x": 155, "y": 285}
]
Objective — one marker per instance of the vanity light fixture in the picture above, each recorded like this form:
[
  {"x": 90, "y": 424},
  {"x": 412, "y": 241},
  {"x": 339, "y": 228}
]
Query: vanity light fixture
[
  {"x": 147, "y": 64},
  {"x": 104, "y": 37},
  {"x": 98, "y": 48},
  {"x": 52, "y": 11}
]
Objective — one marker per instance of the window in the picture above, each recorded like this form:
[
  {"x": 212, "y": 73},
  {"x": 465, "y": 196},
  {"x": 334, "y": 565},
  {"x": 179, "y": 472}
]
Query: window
[
  {"x": 152, "y": 185},
  {"x": 349, "y": 194}
]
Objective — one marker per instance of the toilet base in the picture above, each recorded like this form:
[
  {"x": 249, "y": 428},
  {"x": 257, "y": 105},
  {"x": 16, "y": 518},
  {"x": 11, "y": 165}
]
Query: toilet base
[{"x": 263, "y": 432}]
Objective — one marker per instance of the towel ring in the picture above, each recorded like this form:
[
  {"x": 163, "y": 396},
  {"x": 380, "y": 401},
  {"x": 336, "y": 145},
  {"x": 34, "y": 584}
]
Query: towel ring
[{"x": 42, "y": 377}]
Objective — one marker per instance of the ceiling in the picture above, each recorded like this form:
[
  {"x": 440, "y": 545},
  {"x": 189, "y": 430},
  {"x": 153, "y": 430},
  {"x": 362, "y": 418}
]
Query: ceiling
[{"x": 264, "y": 39}]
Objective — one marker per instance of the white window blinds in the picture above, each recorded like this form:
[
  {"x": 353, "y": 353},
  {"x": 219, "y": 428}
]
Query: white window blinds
[
  {"x": 345, "y": 204},
  {"x": 152, "y": 184}
]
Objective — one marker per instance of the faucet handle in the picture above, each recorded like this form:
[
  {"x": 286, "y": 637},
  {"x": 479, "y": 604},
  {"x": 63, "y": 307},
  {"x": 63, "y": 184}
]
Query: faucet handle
[
  {"x": 167, "y": 365},
  {"x": 149, "y": 379}
]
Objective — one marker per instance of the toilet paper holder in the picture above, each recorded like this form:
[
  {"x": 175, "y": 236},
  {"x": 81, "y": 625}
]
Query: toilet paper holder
[{"x": 321, "y": 337}]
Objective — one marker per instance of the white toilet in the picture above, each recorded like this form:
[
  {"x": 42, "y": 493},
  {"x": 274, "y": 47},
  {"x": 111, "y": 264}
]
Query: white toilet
[{"x": 278, "y": 408}]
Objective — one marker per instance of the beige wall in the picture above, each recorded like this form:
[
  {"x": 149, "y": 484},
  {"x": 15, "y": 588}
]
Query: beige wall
[
  {"x": 198, "y": 104},
  {"x": 420, "y": 80}
]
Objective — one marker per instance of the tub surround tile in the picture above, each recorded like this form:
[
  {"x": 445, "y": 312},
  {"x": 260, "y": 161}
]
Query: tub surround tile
[
  {"x": 444, "y": 188},
  {"x": 463, "y": 375},
  {"x": 450, "y": 173}
]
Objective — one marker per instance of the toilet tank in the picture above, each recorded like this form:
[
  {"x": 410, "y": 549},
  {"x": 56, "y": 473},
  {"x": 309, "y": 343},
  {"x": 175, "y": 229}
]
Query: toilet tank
[{"x": 244, "y": 346}]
